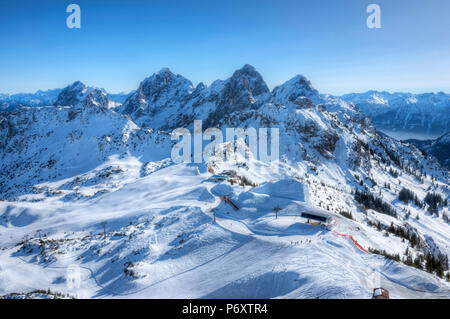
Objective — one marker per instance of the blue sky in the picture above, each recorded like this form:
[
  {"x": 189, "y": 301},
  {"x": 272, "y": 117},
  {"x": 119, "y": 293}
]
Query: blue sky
[{"x": 122, "y": 42}]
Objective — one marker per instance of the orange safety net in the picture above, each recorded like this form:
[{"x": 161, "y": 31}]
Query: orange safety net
[{"x": 353, "y": 240}]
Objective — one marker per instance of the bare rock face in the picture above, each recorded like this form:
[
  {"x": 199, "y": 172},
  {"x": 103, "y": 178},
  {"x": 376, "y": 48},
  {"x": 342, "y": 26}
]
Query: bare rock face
[
  {"x": 157, "y": 93},
  {"x": 71, "y": 95},
  {"x": 245, "y": 90}
]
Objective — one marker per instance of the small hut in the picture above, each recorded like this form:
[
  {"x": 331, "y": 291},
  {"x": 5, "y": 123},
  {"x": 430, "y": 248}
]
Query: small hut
[
  {"x": 315, "y": 214},
  {"x": 380, "y": 293}
]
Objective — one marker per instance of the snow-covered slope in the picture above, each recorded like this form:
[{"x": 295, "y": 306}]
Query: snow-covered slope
[
  {"x": 405, "y": 114},
  {"x": 161, "y": 242},
  {"x": 80, "y": 143},
  {"x": 91, "y": 189}
]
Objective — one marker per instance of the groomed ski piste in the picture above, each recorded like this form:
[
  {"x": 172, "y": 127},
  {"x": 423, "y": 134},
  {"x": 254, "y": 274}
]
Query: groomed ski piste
[{"x": 169, "y": 235}]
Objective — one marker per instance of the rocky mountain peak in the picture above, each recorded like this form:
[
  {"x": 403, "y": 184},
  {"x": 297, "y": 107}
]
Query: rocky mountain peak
[
  {"x": 298, "y": 86},
  {"x": 155, "y": 91},
  {"x": 164, "y": 80},
  {"x": 250, "y": 79},
  {"x": 79, "y": 94}
]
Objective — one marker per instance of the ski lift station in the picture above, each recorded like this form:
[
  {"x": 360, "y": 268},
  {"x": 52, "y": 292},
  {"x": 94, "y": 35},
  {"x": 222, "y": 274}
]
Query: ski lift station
[
  {"x": 289, "y": 194},
  {"x": 291, "y": 189},
  {"x": 315, "y": 214}
]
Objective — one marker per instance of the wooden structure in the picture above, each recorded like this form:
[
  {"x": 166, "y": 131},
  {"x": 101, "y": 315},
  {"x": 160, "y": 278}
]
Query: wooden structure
[{"x": 227, "y": 200}]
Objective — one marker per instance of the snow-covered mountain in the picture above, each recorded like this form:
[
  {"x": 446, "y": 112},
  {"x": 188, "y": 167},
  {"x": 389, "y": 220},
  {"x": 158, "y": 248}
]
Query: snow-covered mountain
[
  {"x": 13, "y": 102},
  {"x": 439, "y": 148},
  {"x": 405, "y": 114},
  {"x": 166, "y": 100},
  {"x": 78, "y": 93},
  {"x": 92, "y": 188}
]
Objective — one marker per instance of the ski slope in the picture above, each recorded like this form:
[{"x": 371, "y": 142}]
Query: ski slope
[
  {"x": 162, "y": 225},
  {"x": 91, "y": 204}
]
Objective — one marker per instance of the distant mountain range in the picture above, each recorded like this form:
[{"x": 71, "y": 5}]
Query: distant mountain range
[
  {"x": 10, "y": 102},
  {"x": 439, "y": 148},
  {"x": 403, "y": 115}
]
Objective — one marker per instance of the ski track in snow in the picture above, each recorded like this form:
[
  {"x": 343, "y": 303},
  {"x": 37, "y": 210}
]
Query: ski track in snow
[{"x": 326, "y": 253}]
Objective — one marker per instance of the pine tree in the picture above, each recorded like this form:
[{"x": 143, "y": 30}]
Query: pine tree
[
  {"x": 413, "y": 240},
  {"x": 440, "y": 272},
  {"x": 418, "y": 263},
  {"x": 429, "y": 263}
]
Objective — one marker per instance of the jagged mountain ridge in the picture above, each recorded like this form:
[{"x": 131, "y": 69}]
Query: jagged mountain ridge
[
  {"x": 400, "y": 114},
  {"x": 166, "y": 100}
]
